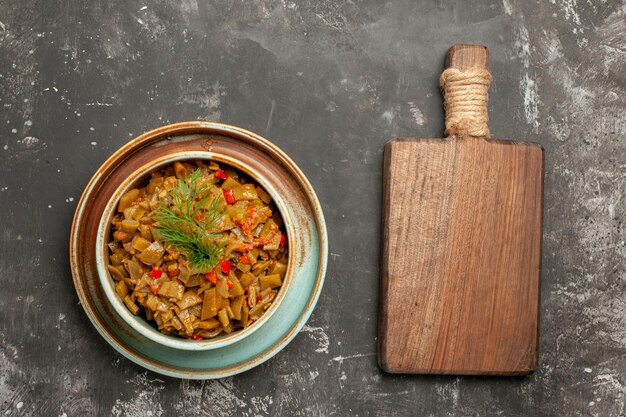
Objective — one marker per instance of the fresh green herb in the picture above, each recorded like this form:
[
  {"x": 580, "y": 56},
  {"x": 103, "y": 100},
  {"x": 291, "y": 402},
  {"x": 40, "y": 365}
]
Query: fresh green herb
[{"x": 187, "y": 220}]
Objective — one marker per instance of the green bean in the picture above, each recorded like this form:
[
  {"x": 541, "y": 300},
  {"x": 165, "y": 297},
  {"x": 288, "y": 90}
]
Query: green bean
[
  {"x": 222, "y": 287},
  {"x": 131, "y": 305},
  {"x": 152, "y": 254},
  {"x": 189, "y": 299},
  {"x": 127, "y": 199},
  {"x": 121, "y": 289},
  {"x": 140, "y": 244},
  {"x": 236, "y": 307},
  {"x": 270, "y": 281},
  {"x": 172, "y": 289},
  {"x": 134, "y": 269},
  {"x": 209, "y": 305},
  {"x": 129, "y": 226},
  {"x": 118, "y": 272},
  {"x": 263, "y": 195},
  {"x": 259, "y": 309},
  {"x": 245, "y": 192},
  {"x": 209, "y": 324},
  {"x": 222, "y": 316},
  {"x": 246, "y": 279},
  {"x": 237, "y": 288},
  {"x": 185, "y": 319}
]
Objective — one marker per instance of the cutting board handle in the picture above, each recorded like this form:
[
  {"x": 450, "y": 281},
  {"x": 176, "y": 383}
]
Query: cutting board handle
[{"x": 465, "y": 87}]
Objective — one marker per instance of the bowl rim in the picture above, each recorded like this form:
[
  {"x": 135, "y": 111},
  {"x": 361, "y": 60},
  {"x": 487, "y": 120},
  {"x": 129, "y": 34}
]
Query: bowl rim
[
  {"x": 139, "y": 323},
  {"x": 83, "y": 279}
]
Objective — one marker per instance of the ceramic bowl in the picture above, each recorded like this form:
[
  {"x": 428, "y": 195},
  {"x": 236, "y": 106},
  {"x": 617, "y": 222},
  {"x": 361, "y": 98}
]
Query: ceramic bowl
[
  {"x": 138, "y": 323},
  {"x": 294, "y": 197}
]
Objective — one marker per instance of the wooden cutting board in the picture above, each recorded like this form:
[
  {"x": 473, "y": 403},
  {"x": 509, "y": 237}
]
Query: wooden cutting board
[{"x": 461, "y": 252}]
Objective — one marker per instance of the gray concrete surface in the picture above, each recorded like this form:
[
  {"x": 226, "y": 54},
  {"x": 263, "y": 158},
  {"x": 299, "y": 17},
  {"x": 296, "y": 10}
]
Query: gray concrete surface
[{"x": 329, "y": 81}]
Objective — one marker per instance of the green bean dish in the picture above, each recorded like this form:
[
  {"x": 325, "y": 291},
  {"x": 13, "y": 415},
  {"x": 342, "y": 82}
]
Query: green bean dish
[{"x": 198, "y": 250}]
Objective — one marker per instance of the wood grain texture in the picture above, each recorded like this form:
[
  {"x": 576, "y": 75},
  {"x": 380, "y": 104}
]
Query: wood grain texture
[
  {"x": 461, "y": 256},
  {"x": 461, "y": 253},
  {"x": 467, "y": 56}
]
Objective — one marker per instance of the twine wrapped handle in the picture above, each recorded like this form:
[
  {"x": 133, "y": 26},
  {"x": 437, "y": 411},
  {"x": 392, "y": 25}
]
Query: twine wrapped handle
[{"x": 465, "y": 88}]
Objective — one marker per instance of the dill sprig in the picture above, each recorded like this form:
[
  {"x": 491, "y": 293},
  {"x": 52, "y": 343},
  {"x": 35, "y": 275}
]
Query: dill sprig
[{"x": 187, "y": 220}]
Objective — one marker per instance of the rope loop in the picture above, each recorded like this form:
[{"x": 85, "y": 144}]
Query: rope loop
[{"x": 466, "y": 95}]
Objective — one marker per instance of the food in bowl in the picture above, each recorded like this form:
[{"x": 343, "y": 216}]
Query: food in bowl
[{"x": 198, "y": 249}]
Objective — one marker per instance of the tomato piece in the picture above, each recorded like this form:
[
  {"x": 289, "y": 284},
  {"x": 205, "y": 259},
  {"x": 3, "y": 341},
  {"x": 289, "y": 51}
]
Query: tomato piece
[
  {"x": 229, "y": 196},
  {"x": 225, "y": 267},
  {"x": 211, "y": 277}
]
